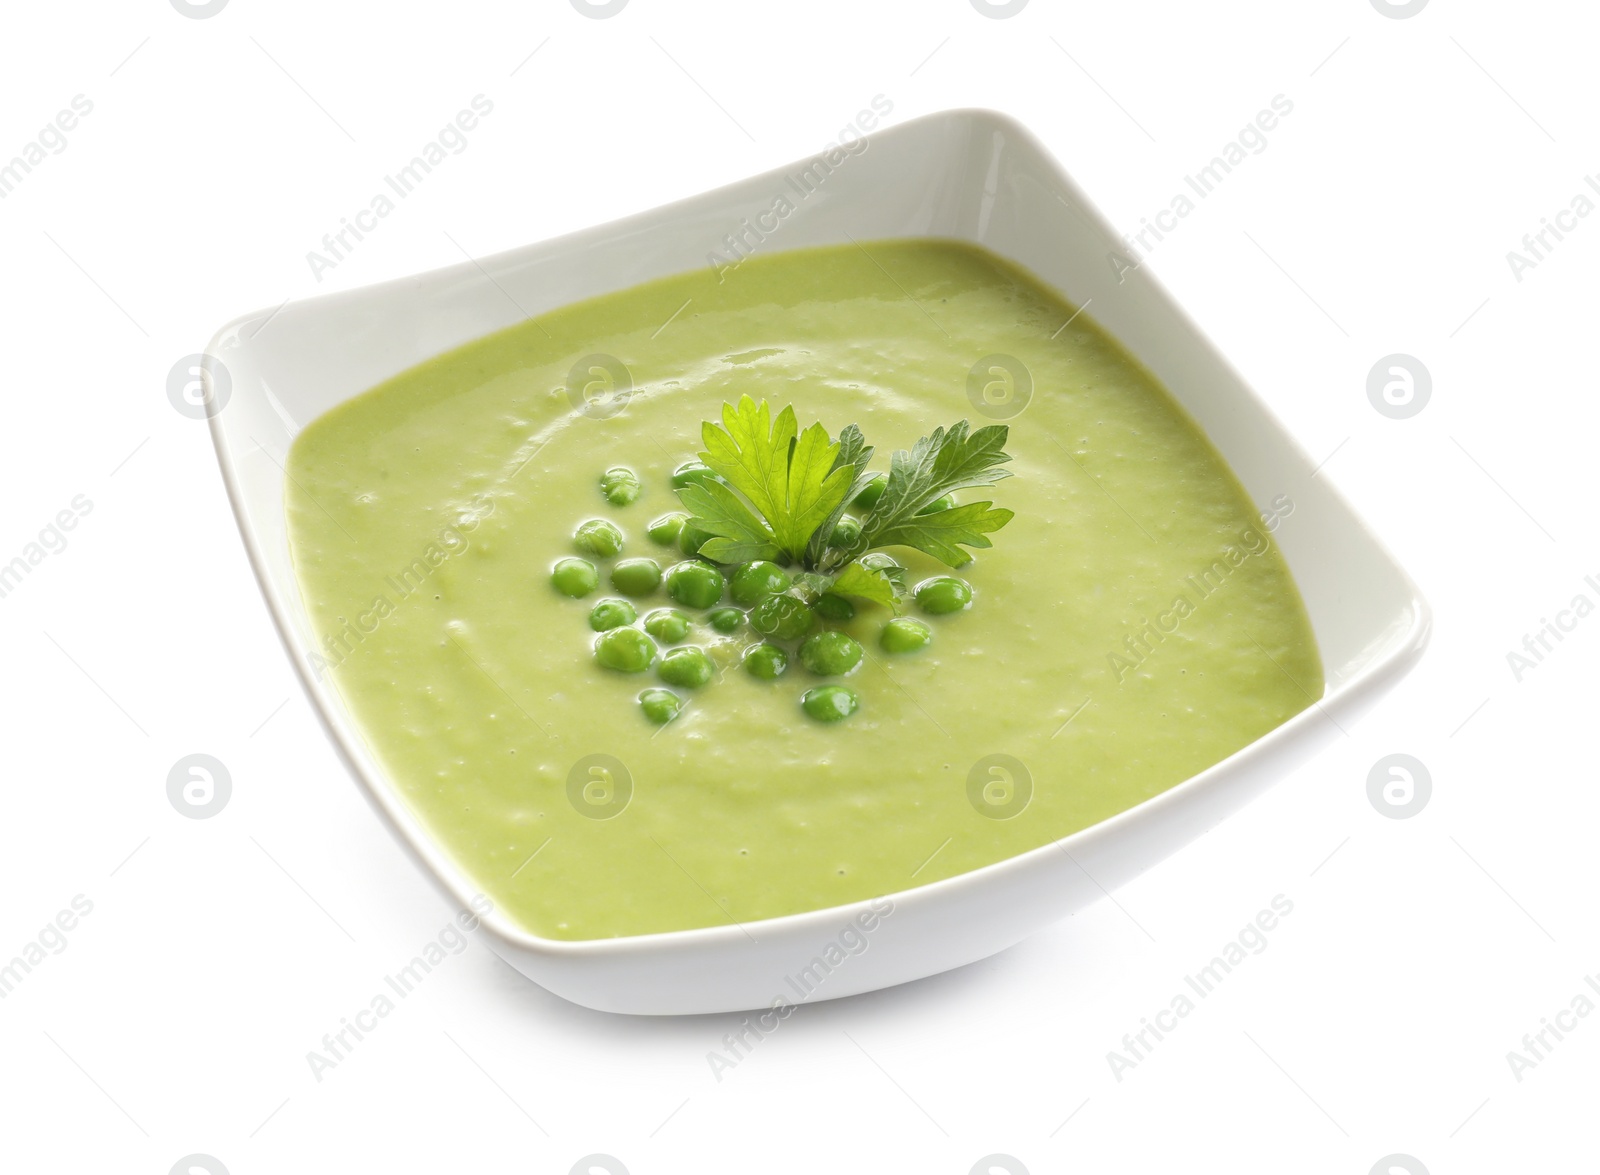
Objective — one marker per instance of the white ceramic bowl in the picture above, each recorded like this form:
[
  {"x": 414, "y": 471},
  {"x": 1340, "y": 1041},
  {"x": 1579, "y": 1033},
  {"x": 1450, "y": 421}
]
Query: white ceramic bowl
[{"x": 968, "y": 175}]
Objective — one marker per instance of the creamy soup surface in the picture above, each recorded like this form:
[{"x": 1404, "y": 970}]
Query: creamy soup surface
[{"x": 1132, "y": 625}]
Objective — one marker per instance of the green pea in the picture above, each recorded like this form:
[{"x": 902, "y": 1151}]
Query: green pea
[
  {"x": 784, "y": 617},
  {"x": 872, "y": 491},
  {"x": 754, "y": 580},
  {"x": 725, "y": 619},
  {"x": 627, "y": 650},
  {"x": 830, "y": 703},
  {"x": 695, "y": 585},
  {"x": 691, "y": 538},
  {"x": 609, "y": 614},
  {"x": 835, "y": 608},
  {"x": 620, "y": 485},
  {"x": 660, "y": 706},
  {"x": 765, "y": 662},
  {"x": 904, "y": 635},
  {"x": 944, "y": 594},
  {"x": 845, "y": 532},
  {"x": 598, "y": 537},
  {"x": 692, "y": 473},
  {"x": 574, "y": 577},
  {"x": 688, "y": 667},
  {"x": 667, "y": 625},
  {"x": 830, "y": 654},
  {"x": 664, "y": 530},
  {"x": 880, "y": 561},
  {"x": 636, "y": 577},
  {"x": 938, "y": 504}
]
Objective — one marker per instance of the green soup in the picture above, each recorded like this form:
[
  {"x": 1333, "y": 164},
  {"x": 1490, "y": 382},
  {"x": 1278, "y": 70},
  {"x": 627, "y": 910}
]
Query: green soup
[{"x": 1131, "y": 626}]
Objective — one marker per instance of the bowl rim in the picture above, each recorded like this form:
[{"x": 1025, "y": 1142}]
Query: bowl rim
[{"x": 453, "y": 879}]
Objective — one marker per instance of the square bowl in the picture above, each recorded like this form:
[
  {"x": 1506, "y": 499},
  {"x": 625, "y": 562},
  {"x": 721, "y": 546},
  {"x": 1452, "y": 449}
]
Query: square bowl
[{"x": 972, "y": 176}]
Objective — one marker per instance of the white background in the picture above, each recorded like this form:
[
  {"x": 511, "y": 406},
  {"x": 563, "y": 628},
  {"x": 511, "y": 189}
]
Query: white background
[{"x": 178, "y": 1017}]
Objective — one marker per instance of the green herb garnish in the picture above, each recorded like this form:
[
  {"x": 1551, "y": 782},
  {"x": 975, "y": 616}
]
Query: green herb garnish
[
  {"x": 948, "y": 460},
  {"x": 780, "y": 494},
  {"x": 791, "y": 478},
  {"x": 865, "y": 584}
]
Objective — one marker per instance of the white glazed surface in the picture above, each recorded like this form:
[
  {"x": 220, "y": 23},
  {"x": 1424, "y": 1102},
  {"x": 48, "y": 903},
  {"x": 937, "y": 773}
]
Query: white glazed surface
[{"x": 968, "y": 175}]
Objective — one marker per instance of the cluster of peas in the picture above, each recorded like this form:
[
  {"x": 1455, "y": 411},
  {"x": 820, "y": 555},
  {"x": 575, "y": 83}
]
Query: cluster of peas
[{"x": 757, "y": 593}]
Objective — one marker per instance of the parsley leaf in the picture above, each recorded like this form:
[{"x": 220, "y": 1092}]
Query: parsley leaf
[
  {"x": 783, "y": 492},
  {"x": 867, "y": 584},
  {"x": 854, "y": 453},
  {"x": 936, "y": 465},
  {"x": 738, "y": 535},
  {"x": 938, "y": 534},
  {"x": 791, "y": 477}
]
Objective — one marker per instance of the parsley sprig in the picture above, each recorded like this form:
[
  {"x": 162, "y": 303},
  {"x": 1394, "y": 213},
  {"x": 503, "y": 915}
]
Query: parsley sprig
[{"x": 783, "y": 492}]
